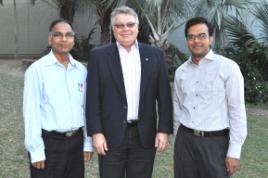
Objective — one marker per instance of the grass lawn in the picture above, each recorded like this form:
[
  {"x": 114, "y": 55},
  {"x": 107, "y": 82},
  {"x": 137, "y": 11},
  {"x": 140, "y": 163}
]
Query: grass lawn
[{"x": 14, "y": 161}]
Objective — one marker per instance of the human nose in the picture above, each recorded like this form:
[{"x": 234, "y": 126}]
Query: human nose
[
  {"x": 125, "y": 27},
  {"x": 64, "y": 38},
  {"x": 196, "y": 39}
]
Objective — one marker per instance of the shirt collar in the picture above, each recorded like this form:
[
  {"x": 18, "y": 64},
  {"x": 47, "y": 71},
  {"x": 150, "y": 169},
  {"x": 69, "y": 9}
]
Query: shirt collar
[
  {"x": 52, "y": 60},
  {"x": 134, "y": 45},
  {"x": 72, "y": 61},
  {"x": 209, "y": 56}
]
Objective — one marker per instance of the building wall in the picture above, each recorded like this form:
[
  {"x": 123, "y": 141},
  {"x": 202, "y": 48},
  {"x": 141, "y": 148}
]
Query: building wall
[{"x": 33, "y": 24}]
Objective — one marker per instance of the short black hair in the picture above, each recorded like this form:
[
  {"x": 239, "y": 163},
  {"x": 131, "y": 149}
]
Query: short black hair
[
  {"x": 199, "y": 20},
  {"x": 55, "y": 22}
]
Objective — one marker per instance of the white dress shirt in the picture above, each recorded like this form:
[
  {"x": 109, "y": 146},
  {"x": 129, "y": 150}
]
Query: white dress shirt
[
  {"x": 53, "y": 100},
  {"x": 210, "y": 97},
  {"x": 131, "y": 68}
]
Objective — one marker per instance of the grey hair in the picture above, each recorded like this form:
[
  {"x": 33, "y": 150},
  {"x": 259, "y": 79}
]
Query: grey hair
[{"x": 123, "y": 10}]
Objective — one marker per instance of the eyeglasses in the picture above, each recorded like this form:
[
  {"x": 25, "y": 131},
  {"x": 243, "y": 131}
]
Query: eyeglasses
[
  {"x": 128, "y": 25},
  {"x": 201, "y": 36},
  {"x": 59, "y": 35}
]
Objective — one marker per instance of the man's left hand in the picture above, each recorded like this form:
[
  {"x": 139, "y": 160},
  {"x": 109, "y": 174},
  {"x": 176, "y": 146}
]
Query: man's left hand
[
  {"x": 232, "y": 165},
  {"x": 161, "y": 141},
  {"x": 88, "y": 155}
]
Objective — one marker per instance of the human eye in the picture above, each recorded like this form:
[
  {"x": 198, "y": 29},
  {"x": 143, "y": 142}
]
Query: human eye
[
  {"x": 70, "y": 35},
  {"x": 130, "y": 25},
  {"x": 202, "y": 36},
  {"x": 120, "y": 26},
  {"x": 57, "y": 35},
  {"x": 190, "y": 37}
]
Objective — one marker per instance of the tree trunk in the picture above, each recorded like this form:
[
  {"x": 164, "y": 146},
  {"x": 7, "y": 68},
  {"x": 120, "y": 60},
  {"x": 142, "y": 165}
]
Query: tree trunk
[
  {"x": 67, "y": 10},
  {"x": 16, "y": 29}
]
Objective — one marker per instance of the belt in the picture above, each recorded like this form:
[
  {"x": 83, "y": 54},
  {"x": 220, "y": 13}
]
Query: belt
[
  {"x": 206, "y": 133},
  {"x": 132, "y": 123},
  {"x": 62, "y": 134}
]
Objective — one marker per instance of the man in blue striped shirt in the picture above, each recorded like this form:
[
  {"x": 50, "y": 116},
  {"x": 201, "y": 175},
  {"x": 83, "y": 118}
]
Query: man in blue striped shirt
[{"x": 53, "y": 110}]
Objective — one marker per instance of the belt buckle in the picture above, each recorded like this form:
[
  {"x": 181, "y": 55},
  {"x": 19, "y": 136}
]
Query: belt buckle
[
  {"x": 199, "y": 133},
  {"x": 70, "y": 133}
]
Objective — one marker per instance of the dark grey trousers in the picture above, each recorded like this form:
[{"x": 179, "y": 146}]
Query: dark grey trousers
[
  {"x": 64, "y": 157},
  {"x": 200, "y": 157},
  {"x": 129, "y": 160}
]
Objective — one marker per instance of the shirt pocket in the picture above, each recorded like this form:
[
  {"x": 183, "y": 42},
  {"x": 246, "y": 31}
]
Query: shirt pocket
[
  {"x": 187, "y": 84},
  {"x": 79, "y": 89},
  {"x": 213, "y": 83}
]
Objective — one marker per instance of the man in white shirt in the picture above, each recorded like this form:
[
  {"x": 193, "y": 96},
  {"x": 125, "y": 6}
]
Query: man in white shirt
[
  {"x": 209, "y": 107},
  {"x": 53, "y": 109},
  {"x": 126, "y": 80}
]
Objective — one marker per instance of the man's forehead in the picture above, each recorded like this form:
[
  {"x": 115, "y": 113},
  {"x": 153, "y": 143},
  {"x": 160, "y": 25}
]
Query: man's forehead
[
  {"x": 124, "y": 17},
  {"x": 198, "y": 28}
]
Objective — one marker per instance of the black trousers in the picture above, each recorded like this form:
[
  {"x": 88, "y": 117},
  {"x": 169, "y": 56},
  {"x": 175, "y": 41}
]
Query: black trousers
[
  {"x": 200, "y": 157},
  {"x": 130, "y": 160},
  {"x": 64, "y": 157}
]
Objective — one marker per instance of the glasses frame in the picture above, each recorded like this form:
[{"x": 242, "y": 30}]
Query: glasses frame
[
  {"x": 128, "y": 25},
  {"x": 60, "y": 36},
  {"x": 200, "y": 37}
]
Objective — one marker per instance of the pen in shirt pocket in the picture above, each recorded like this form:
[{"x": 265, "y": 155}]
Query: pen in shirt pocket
[{"x": 80, "y": 87}]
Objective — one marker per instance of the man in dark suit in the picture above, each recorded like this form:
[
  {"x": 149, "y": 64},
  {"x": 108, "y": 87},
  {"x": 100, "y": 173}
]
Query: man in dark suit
[{"x": 126, "y": 81}]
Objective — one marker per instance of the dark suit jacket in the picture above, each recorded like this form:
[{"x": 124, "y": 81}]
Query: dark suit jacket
[{"x": 106, "y": 103}]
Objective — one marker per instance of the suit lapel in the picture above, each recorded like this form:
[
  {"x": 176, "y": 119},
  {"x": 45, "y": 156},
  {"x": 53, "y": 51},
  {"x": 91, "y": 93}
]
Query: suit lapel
[
  {"x": 116, "y": 69},
  {"x": 145, "y": 69}
]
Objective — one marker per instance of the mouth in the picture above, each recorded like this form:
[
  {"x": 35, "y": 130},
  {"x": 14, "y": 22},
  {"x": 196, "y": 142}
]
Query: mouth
[
  {"x": 64, "y": 46},
  {"x": 197, "y": 47},
  {"x": 126, "y": 35}
]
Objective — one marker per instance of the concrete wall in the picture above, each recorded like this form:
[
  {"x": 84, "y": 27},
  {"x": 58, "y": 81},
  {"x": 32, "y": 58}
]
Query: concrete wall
[{"x": 33, "y": 24}]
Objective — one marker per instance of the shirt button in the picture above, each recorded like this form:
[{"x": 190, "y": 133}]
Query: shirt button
[
  {"x": 196, "y": 94},
  {"x": 125, "y": 107},
  {"x": 194, "y": 107},
  {"x": 124, "y": 122}
]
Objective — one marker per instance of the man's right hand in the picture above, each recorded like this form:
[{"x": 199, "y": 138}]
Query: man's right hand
[
  {"x": 99, "y": 143},
  {"x": 232, "y": 165},
  {"x": 39, "y": 164}
]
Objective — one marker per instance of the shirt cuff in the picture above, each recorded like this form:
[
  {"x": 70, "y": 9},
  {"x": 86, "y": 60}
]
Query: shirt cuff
[
  {"x": 88, "y": 144},
  {"x": 234, "y": 151},
  {"x": 38, "y": 155}
]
